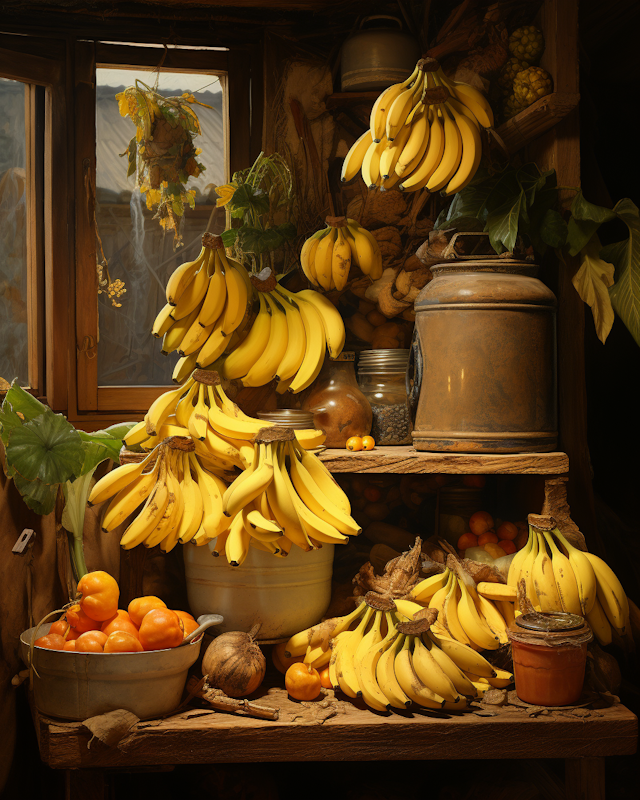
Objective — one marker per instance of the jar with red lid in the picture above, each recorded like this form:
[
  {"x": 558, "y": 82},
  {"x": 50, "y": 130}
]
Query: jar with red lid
[{"x": 549, "y": 657}]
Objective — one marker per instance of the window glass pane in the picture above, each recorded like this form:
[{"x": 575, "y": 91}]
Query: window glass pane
[
  {"x": 13, "y": 233},
  {"x": 138, "y": 251}
]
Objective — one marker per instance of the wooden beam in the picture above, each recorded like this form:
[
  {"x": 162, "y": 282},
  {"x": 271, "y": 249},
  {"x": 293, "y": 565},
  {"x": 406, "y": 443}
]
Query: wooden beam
[
  {"x": 131, "y": 57},
  {"x": 528, "y": 125}
]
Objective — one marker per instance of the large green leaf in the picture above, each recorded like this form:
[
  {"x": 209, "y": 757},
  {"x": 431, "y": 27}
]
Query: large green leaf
[
  {"x": 255, "y": 240},
  {"x": 248, "y": 197},
  {"x": 100, "y": 445},
  {"x": 553, "y": 229},
  {"x": 502, "y": 224},
  {"x": 625, "y": 256},
  {"x": 585, "y": 220},
  {"x": 38, "y": 496},
  {"x": 592, "y": 282},
  {"x": 229, "y": 237},
  {"x": 532, "y": 181},
  {"x": 47, "y": 448},
  {"x": 18, "y": 407}
]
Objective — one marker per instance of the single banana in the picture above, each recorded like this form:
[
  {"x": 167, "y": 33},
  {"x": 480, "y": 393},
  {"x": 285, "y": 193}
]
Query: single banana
[
  {"x": 610, "y": 593},
  {"x": 195, "y": 291},
  {"x": 116, "y": 480},
  {"x": 212, "y": 519},
  {"x": 457, "y": 677},
  {"x": 584, "y": 572},
  {"x": 449, "y": 616},
  {"x": 163, "y": 321},
  {"x": 233, "y": 427},
  {"x": 216, "y": 295},
  {"x": 407, "y": 608},
  {"x": 345, "y": 668},
  {"x": 474, "y": 100},
  {"x": 473, "y": 624},
  {"x": 213, "y": 347},
  {"x": 332, "y": 323},
  {"x": 438, "y": 598},
  {"x": 235, "y": 499},
  {"x": 370, "y": 170},
  {"x": 194, "y": 338},
  {"x": 526, "y": 569},
  {"x": 340, "y": 261},
  {"x": 544, "y": 580},
  {"x": 423, "y": 592},
  {"x": 416, "y": 143},
  {"x": 199, "y": 417},
  {"x": 184, "y": 367},
  {"x": 386, "y": 675},
  {"x": 507, "y": 610},
  {"x": 363, "y": 252},
  {"x": 296, "y": 340},
  {"x": 422, "y": 172},
  {"x": 353, "y": 160},
  {"x": 324, "y": 479},
  {"x": 298, "y": 643},
  {"x": 237, "y": 544},
  {"x": 402, "y": 107},
  {"x": 450, "y": 157},
  {"x": 323, "y": 258},
  {"x": 431, "y": 673},
  {"x": 372, "y": 693},
  {"x": 173, "y": 337},
  {"x": 463, "y": 656},
  {"x": 411, "y": 684},
  {"x": 282, "y": 506},
  {"x": 376, "y": 270},
  {"x": 265, "y": 368},
  {"x": 151, "y": 513},
  {"x": 307, "y": 255},
  {"x": 240, "y": 361},
  {"x": 392, "y": 151},
  {"x": 182, "y": 276},
  {"x": 315, "y": 348},
  {"x": 193, "y": 505},
  {"x": 471, "y": 154},
  {"x": 599, "y": 624},
  {"x": 372, "y": 638},
  {"x": 492, "y": 616},
  {"x": 497, "y": 591},
  {"x": 513, "y": 576},
  {"x": 129, "y": 498},
  {"x": 380, "y": 109},
  {"x": 136, "y": 435},
  {"x": 565, "y": 579},
  {"x": 235, "y": 306}
]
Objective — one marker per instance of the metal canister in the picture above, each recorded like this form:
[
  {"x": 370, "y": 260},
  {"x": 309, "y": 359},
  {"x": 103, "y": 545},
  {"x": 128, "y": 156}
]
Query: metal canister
[
  {"x": 483, "y": 359},
  {"x": 377, "y": 55}
]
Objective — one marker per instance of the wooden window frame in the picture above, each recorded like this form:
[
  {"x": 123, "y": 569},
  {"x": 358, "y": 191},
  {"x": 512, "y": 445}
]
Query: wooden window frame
[
  {"x": 240, "y": 75},
  {"x": 48, "y": 242}
]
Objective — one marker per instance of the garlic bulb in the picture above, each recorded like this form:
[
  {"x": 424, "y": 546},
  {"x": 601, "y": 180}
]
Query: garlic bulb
[{"x": 234, "y": 663}]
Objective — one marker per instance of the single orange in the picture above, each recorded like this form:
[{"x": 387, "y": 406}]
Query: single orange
[
  {"x": 302, "y": 682},
  {"x": 487, "y": 538},
  {"x": 480, "y": 523},
  {"x": 368, "y": 442},
  {"x": 141, "y": 605},
  {"x": 508, "y": 546},
  {"x": 122, "y": 642},
  {"x": 91, "y": 642},
  {"x": 52, "y": 641},
  {"x": 325, "y": 680},
  {"x": 121, "y": 621},
  {"x": 467, "y": 540},
  {"x": 354, "y": 444},
  {"x": 161, "y": 629},
  {"x": 70, "y": 646},
  {"x": 507, "y": 531},
  {"x": 60, "y": 626},
  {"x": 188, "y": 622},
  {"x": 80, "y": 621}
]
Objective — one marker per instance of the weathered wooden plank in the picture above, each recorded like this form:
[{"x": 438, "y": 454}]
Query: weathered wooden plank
[
  {"x": 132, "y": 398},
  {"x": 407, "y": 460},
  {"x": 535, "y": 120},
  {"x": 359, "y": 735}
]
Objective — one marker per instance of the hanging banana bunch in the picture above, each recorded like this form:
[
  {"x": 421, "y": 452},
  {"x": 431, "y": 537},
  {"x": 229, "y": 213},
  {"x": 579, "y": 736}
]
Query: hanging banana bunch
[
  {"x": 207, "y": 300},
  {"x": 327, "y": 255},
  {"x": 424, "y": 133}
]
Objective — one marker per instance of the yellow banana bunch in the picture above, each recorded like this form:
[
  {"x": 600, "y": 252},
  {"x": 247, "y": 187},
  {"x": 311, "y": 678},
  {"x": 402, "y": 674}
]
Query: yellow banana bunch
[
  {"x": 278, "y": 501},
  {"x": 560, "y": 577},
  {"x": 287, "y": 340},
  {"x": 424, "y": 133},
  {"x": 327, "y": 255},
  {"x": 390, "y": 658},
  {"x": 182, "y": 500},
  {"x": 207, "y": 300}
]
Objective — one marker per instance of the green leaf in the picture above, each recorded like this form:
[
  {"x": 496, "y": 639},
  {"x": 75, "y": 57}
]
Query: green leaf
[
  {"x": 256, "y": 240},
  {"x": 625, "y": 256},
  {"x": 502, "y": 224},
  {"x": 585, "y": 220},
  {"x": 248, "y": 197},
  {"x": 532, "y": 180},
  {"x": 592, "y": 282},
  {"x": 229, "y": 236},
  {"x": 553, "y": 229},
  {"x": 47, "y": 448},
  {"x": 287, "y": 230},
  {"x": 38, "y": 496}
]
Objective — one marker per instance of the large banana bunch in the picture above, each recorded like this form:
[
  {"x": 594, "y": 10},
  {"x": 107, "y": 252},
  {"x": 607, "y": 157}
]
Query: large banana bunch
[
  {"x": 465, "y": 613},
  {"x": 221, "y": 432},
  {"x": 559, "y": 577},
  {"x": 284, "y": 497},
  {"x": 387, "y": 653},
  {"x": 327, "y": 255},
  {"x": 207, "y": 299},
  {"x": 287, "y": 340},
  {"x": 182, "y": 500},
  {"x": 424, "y": 132}
]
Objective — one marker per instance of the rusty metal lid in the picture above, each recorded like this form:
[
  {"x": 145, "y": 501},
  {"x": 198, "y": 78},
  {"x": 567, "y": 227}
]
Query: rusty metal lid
[
  {"x": 550, "y": 629},
  {"x": 289, "y": 417},
  {"x": 391, "y": 360},
  {"x": 550, "y": 621}
]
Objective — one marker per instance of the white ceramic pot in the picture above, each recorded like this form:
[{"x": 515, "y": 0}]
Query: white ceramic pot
[{"x": 285, "y": 595}]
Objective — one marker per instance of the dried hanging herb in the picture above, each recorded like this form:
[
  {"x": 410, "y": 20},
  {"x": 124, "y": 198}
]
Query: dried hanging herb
[{"x": 162, "y": 153}]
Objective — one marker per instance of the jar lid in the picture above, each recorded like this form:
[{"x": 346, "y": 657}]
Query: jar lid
[
  {"x": 550, "y": 629},
  {"x": 289, "y": 417},
  {"x": 371, "y": 361},
  {"x": 550, "y": 621}
]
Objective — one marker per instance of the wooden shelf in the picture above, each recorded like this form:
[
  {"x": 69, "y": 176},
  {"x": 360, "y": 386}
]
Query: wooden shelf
[
  {"x": 405, "y": 460},
  {"x": 531, "y": 123},
  {"x": 200, "y": 736}
]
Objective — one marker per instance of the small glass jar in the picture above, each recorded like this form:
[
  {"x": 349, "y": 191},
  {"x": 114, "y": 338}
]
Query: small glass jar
[
  {"x": 381, "y": 375},
  {"x": 338, "y": 405}
]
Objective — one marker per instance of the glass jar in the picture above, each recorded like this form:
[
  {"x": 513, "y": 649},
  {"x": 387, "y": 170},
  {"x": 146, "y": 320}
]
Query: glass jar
[
  {"x": 381, "y": 375},
  {"x": 339, "y": 408},
  {"x": 288, "y": 417}
]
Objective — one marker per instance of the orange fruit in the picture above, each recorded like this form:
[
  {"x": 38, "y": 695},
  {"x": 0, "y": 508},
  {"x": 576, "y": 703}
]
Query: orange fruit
[
  {"x": 467, "y": 540},
  {"x": 70, "y": 646},
  {"x": 494, "y": 550},
  {"x": 141, "y": 605},
  {"x": 60, "y": 626},
  {"x": 508, "y": 546},
  {"x": 487, "y": 538},
  {"x": 121, "y": 621},
  {"x": 354, "y": 443},
  {"x": 161, "y": 629},
  {"x": 52, "y": 641},
  {"x": 507, "y": 531},
  {"x": 188, "y": 621},
  {"x": 368, "y": 442},
  {"x": 80, "y": 621},
  {"x": 122, "y": 642},
  {"x": 91, "y": 642},
  {"x": 302, "y": 682},
  {"x": 325, "y": 680},
  {"x": 480, "y": 523}
]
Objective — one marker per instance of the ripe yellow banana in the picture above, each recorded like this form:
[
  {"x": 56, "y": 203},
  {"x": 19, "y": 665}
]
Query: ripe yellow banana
[
  {"x": 235, "y": 306},
  {"x": 332, "y": 322},
  {"x": 307, "y": 255},
  {"x": 402, "y": 107},
  {"x": 240, "y": 360},
  {"x": 193, "y": 505},
  {"x": 315, "y": 348},
  {"x": 195, "y": 291},
  {"x": 296, "y": 340},
  {"x": 424, "y": 591},
  {"x": 370, "y": 169},
  {"x": 184, "y": 367},
  {"x": 474, "y": 100},
  {"x": 392, "y": 151},
  {"x": 237, "y": 543},
  {"x": 129, "y": 498},
  {"x": 380, "y": 109},
  {"x": 544, "y": 580},
  {"x": 565, "y": 579},
  {"x": 182, "y": 276},
  {"x": 353, "y": 160},
  {"x": 422, "y": 172},
  {"x": 216, "y": 295},
  {"x": 583, "y": 571},
  {"x": 416, "y": 144},
  {"x": 409, "y": 681},
  {"x": 163, "y": 321},
  {"x": 323, "y": 259},
  {"x": 599, "y": 624},
  {"x": 340, "y": 261},
  {"x": 152, "y": 512},
  {"x": 471, "y": 154},
  {"x": 465, "y": 657},
  {"x": 610, "y": 593},
  {"x": 116, "y": 480},
  {"x": 386, "y": 676},
  {"x": 173, "y": 337},
  {"x": 265, "y": 367},
  {"x": 213, "y": 347},
  {"x": 451, "y": 155}
]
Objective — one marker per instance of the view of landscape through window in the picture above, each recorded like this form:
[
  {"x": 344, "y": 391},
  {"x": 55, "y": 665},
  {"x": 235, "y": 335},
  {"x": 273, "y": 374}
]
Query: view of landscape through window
[{"x": 138, "y": 250}]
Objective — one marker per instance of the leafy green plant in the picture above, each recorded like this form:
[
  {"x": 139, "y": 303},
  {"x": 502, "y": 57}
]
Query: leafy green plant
[
  {"x": 259, "y": 196},
  {"x": 520, "y": 204},
  {"x": 44, "y": 454}
]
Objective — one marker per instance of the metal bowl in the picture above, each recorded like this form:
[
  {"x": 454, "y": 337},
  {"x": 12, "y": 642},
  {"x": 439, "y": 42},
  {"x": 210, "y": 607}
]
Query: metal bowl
[{"x": 81, "y": 685}]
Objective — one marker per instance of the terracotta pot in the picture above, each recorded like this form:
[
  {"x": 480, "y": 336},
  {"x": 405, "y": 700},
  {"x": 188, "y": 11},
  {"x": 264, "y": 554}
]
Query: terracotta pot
[{"x": 483, "y": 360}]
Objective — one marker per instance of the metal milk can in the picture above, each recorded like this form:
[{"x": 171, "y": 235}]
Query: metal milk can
[{"x": 483, "y": 358}]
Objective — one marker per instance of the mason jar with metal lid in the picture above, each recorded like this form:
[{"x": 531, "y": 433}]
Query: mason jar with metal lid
[
  {"x": 382, "y": 379},
  {"x": 288, "y": 417}
]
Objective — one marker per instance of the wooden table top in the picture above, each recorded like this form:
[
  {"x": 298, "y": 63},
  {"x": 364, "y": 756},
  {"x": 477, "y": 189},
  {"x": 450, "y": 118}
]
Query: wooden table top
[{"x": 200, "y": 736}]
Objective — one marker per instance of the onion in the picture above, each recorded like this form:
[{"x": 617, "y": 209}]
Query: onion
[{"x": 234, "y": 663}]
